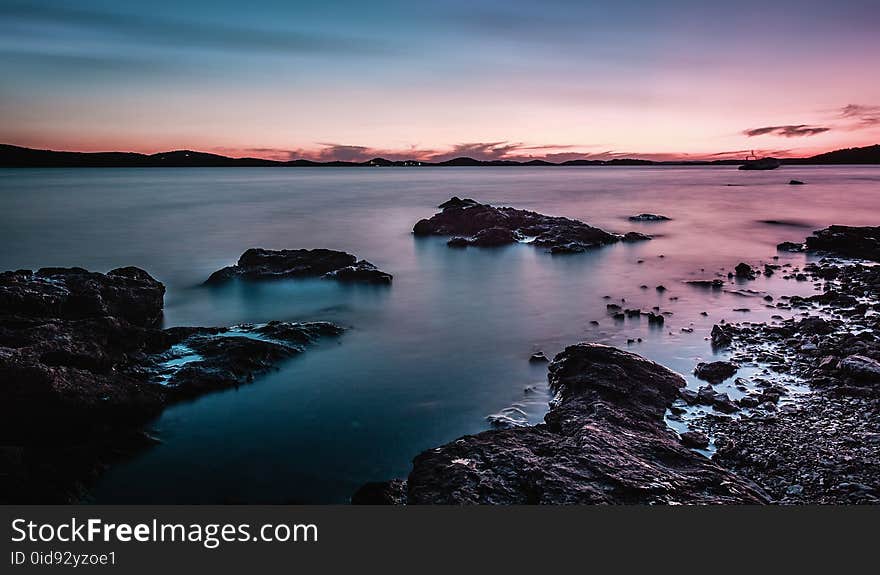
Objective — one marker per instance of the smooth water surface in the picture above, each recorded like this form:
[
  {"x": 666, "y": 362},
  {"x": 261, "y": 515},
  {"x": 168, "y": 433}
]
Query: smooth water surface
[{"x": 428, "y": 358}]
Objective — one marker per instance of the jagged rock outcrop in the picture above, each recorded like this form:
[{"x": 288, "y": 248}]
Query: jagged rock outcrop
[
  {"x": 603, "y": 441},
  {"x": 261, "y": 264},
  {"x": 472, "y": 223},
  {"x": 84, "y": 363},
  {"x": 849, "y": 241}
]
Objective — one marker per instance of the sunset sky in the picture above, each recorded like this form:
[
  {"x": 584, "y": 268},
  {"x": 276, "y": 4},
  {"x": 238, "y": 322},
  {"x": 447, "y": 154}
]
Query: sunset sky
[{"x": 431, "y": 80}]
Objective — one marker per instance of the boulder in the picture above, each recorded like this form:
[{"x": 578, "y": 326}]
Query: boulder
[
  {"x": 861, "y": 367},
  {"x": 715, "y": 371},
  {"x": 745, "y": 271}
]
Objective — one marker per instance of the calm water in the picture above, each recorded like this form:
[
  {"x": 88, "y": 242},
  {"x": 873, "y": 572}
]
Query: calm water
[{"x": 427, "y": 359}]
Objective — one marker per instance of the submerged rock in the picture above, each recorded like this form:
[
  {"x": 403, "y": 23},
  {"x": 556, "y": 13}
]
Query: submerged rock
[
  {"x": 648, "y": 218},
  {"x": 261, "y": 264},
  {"x": 473, "y": 223},
  {"x": 713, "y": 283},
  {"x": 603, "y": 441},
  {"x": 83, "y": 364}
]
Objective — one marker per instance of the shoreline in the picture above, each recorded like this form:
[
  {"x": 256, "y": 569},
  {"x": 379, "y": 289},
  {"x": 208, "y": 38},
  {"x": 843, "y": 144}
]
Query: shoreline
[
  {"x": 67, "y": 325},
  {"x": 819, "y": 449}
]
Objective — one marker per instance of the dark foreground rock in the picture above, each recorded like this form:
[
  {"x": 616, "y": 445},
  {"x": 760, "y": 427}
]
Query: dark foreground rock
[
  {"x": 472, "y": 223},
  {"x": 84, "y": 364},
  {"x": 261, "y": 264},
  {"x": 603, "y": 441}
]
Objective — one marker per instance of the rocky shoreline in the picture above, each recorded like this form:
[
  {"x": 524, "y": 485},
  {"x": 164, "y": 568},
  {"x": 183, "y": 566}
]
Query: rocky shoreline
[
  {"x": 824, "y": 448},
  {"x": 84, "y": 365},
  {"x": 605, "y": 440},
  {"x": 481, "y": 225}
]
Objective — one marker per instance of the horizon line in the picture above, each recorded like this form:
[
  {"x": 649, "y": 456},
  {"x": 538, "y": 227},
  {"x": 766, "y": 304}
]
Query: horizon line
[{"x": 606, "y": 157}]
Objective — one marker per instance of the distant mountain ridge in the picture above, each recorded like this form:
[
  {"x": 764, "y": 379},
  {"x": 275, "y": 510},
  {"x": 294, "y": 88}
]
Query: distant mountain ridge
[{"x": 19, "y": 157}]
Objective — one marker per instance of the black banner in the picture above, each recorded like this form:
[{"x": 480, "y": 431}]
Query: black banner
[{"x": 288, "y": 538}]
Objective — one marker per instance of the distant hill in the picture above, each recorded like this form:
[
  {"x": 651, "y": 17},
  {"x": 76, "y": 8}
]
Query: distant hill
[
  {"x": 18, "y": 157},
  {"x": 866, "y": 155}
]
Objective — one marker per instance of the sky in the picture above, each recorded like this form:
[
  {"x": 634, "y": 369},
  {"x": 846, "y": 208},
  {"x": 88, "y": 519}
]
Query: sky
[{"x": 348, "y": 80}]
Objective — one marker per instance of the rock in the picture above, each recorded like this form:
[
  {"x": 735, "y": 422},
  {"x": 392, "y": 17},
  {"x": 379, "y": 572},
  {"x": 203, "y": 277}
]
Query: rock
[
  {"x": 261, "y": 264},
  {"x": 458, "y": 242},
  {"x": 494, "y": 237},
  {"x": 861, "y": 367},
  {"x": 795, "y": 183},
  {"x": 720, "y": 401},
  {"x": 748, "y": 401},
  {"x": 84, "y": 364},
  {"x": 695, "y": 439},
  {"x": 790, "y": 247},
  {"x": 220, "y": 358},
  {"x": 538, "y": 357},
  {"x": 630, "y": 237},
  {"x": 744, "y": 271},
  {"x": 721, "y": 336},
  {"x": 800, "y": 451},
  {"x": 456, "y": 202},
  {"x": 656, "y": 319},
  {"x": 648, "y": 218},
  {"x": 713, "y": 283},
  {"x": 661, "y": 288},
  {"x": 828, "y": 363},
  {"x": 603, "y": 441},
  {"x": 468, "y": 219},
  {"x": 815, "y": 326},
  {"x": 381, "y": 493},
  {"x": 849, "y": 241},
  {"x": 715, "y": 371}
]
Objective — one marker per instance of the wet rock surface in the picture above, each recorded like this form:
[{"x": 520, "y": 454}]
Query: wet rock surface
[
  {"x": 472, "y": 223},
  {"x": 262, "y": 264},
  {"x": 603, "y": 441},
  {"x": 84, "y": 364},
  {"x": 715, "y": 371},
  {"x": 824, "y": 447}
]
